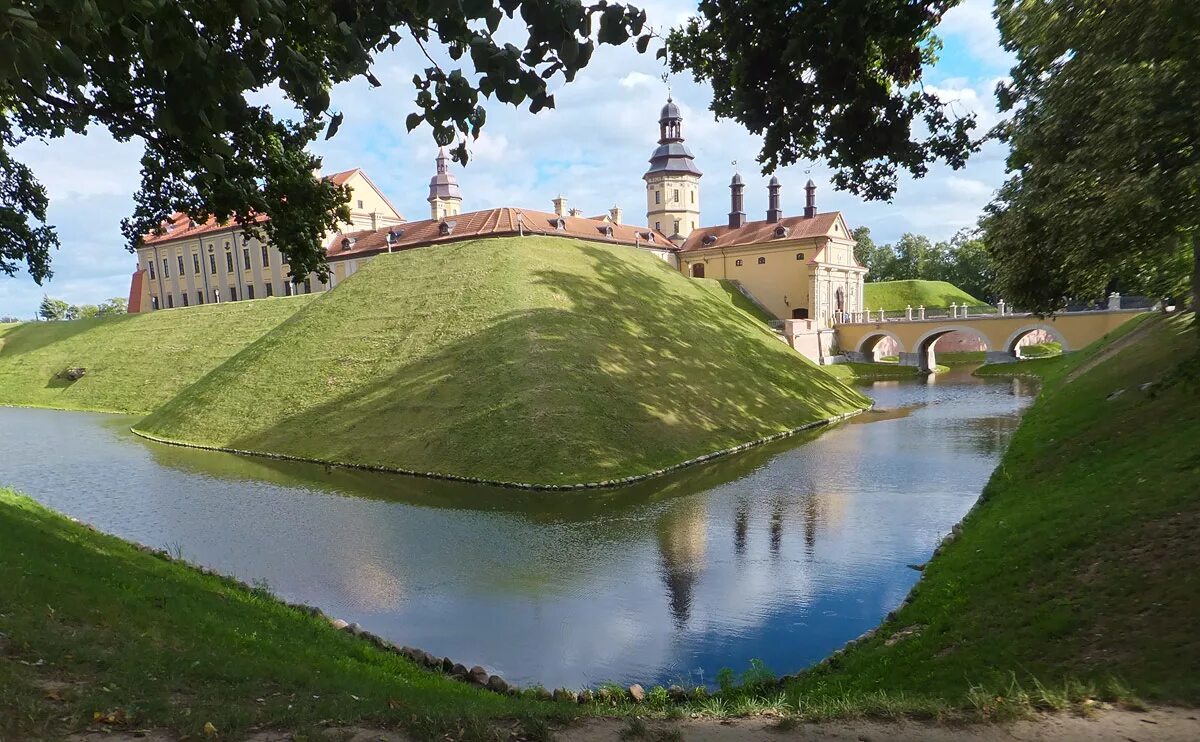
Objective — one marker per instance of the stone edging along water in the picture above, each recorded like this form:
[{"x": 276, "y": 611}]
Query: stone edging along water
[{"x": 512, "y": 485}]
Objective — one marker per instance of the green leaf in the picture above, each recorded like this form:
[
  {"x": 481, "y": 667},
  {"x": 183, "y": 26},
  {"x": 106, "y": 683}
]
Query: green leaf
[{"x": 413, "y": 121}]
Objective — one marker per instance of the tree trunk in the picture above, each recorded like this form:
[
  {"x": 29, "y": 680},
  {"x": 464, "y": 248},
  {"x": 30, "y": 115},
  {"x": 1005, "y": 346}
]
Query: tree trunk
[{"x": 1195, "y": 277}]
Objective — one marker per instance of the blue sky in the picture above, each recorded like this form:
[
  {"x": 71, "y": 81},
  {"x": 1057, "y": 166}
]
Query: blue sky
[{"x": 592, "y": 149}]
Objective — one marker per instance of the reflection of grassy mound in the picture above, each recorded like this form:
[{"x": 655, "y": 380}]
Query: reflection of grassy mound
[
  {"x": 895, "y": 295},
  {"x": 134, "y": 362},
  {"x": 530, "y": 359}
]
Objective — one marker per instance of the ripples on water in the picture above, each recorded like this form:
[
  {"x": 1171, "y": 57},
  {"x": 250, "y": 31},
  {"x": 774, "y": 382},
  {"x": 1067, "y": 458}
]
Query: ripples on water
[{"x": 782, "y": 553}]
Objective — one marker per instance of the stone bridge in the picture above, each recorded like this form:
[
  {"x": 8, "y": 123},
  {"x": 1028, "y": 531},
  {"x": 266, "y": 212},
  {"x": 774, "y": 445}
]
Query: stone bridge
[{"x": 1000, "y": 333}]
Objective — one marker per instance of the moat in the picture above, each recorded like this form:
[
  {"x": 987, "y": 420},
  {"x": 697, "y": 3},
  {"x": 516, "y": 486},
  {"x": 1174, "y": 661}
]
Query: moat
[{"x": 782, "y": 553}]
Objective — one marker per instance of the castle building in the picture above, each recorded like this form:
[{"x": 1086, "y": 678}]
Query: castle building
[
  {"x": 190, "y": 263},
  {"x": 673, "y": 180},
  {"x": 795, "y": 267}
]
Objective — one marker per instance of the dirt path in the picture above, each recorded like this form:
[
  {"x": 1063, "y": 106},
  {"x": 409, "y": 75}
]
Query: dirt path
[
  {"x": 1159, "y": 725},
  {"x": 1156, "y": 725},
  {"x": 1113, "y": 349}
]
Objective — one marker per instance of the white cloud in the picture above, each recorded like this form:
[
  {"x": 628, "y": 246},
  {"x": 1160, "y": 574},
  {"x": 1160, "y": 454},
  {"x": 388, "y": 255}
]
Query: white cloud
[
  {"x": 973, "y": 22},
  {"x": 637, "y": 79}
]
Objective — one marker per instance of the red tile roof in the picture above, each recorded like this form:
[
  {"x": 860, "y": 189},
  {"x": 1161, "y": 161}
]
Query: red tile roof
[
  {"x": 751, "y": 233},
  {"x": 493, "y": 223},
  {"x": 178, "y": 226}
]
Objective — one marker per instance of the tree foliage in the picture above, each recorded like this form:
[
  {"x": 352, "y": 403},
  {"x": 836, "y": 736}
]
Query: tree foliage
[
  {"x": 177, "y": 74},
  {"x": 53, "y": 309},
  {"x": 963, "y": 261},
  {"x": 831, "y": 81},
  {"x": 114, "y": 306},
  {"x": 1104, "y": 186}
]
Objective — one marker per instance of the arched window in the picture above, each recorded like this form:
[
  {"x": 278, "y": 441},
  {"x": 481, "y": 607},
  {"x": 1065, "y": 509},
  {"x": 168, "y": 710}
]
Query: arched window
[
  {"x": 799, "y": 256},
  {"x": 839, "y": 298},
  {"x": 762, "y": 261},
  {"x": 737, "y": 262}
]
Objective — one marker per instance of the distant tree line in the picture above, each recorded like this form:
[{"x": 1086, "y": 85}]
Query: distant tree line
[
  {"x": 962, "y": 261},
  {"x": 57, "y": 309}
]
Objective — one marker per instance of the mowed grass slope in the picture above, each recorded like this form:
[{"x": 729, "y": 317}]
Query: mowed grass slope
[
  {"x": 895, "y": 295},
  {"x": 1076, "y": 575},
  {"x": 134, "y": 362},
  {"x": 540, "y": 360},
  {"x": 91, "y": 626}
]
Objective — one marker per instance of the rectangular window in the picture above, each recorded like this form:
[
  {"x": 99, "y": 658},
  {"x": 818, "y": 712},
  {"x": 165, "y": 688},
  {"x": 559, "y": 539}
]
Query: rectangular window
[
  {"x": 166, "y": 269},
  {"x": 150, "y": 265},
  {"x": 180, "y": 258},
  {"x": 249, "y": 291},
  {"x": 245, "y": 258},
  {"x": 184, "y": 296},
  {"x": 199, "y": 297},
  {"x": 676, "y": 195},
  {"x": 266, "y": 257},
  {"x": 658, "y": 197},
  {"x": 212, "y": 264},
  {"x": 270, "y": 289},
  {"x": 170, "y": 301},
  {"x": 154, "y": 302},
  {"x": 228, "y": 262},
  {"x": 693, "y": 197},
  {"x": 360, "y": 205},
  {"x": 196, "y": 263},
  {"x": 658, "y": 226},
  {"x": 233, "y": 293}
]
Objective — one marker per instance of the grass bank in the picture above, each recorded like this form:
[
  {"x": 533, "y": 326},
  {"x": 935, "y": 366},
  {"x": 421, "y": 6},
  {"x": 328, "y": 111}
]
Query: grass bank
[
  {"x": 133, "y": 362},
  {"x": 95, "y": 634},
  {"x": 538, "y": 360},
  {"x": 1076, "y": 574},
  {"x": 896, "y": 295}
]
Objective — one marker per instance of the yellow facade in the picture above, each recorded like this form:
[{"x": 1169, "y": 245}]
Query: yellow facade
[
  {"x": 810, "y": 278},
  {"x": 673, "y": 203}
]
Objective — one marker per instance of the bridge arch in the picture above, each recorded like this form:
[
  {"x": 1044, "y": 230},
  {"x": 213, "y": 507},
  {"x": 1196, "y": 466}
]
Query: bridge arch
[
  {"x": 1010, "y": 345},
  {"x": 923, "y": 348},
  {"x": 866, "y": 346}
]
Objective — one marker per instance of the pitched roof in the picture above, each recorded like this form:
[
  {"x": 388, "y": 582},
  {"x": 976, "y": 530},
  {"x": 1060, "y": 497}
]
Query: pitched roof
[
  {"x": 752, "y": 233},
  {"x": 503, "y": 221},
  {"x": 179, "y": 226}
]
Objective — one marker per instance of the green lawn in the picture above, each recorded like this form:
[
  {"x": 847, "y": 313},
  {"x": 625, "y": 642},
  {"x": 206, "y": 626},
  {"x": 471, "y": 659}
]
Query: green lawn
[
  {"x": 134, "y": 362},
  {"x": 90, "y": 625},
  {"x": 896, "y": 295},
  {"x": 538, "y": 359},
  {"x": 722, "y": 287},
  {"x": 868, "y": 371},
  {"x": 1076, "y": 575},
  {"x": 961, "y": 358}
]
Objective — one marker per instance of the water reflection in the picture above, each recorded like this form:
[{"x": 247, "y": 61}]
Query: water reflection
[{"x": 782, "y": 553}]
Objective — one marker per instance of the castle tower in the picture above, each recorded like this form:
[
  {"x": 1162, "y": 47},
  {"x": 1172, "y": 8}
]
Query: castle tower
[
  {"x": 444, "y": 197},
  {"x": 673, "y": 180}
]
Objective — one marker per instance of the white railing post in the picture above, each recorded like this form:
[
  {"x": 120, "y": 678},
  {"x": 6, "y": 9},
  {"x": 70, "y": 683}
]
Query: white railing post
[
  {"x": 1000, "y": 306},
  {"x": 921, "y": 311},
  {"x": 953, "y": 310},
  {"x": 908, "y": 313},
  {"x": 882, "y": 318},
  {"x": 1114, "y": 301}
]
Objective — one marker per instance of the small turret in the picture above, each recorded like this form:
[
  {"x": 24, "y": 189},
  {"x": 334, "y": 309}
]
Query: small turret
[
  {"x": 774, "y": 213},
  {"x": 810, "y": 200},
  {"x": 444, "y": 197},
  {"x": 737, "y": 211}
]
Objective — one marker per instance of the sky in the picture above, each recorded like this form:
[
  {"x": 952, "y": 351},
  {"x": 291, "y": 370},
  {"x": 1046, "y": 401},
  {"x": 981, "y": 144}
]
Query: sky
[{"x": 592, "y": 149}]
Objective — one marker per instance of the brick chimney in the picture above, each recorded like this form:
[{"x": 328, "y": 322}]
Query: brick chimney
[{"x": 810, "y": 200}]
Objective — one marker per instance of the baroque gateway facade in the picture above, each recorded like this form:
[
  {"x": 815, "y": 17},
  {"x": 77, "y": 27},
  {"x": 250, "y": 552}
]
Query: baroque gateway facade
[{"x": 799, "y": 267}]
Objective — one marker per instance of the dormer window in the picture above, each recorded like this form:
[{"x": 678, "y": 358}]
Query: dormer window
[
  {"x": 781, "y": 231},
  {"x": 606, "y": 230},
  {"x": 446, "y": 228},
  {"x": 709, "y": 239},
  {"x": 559, "y": 224},
  {"x": 347, "y": 243}
]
